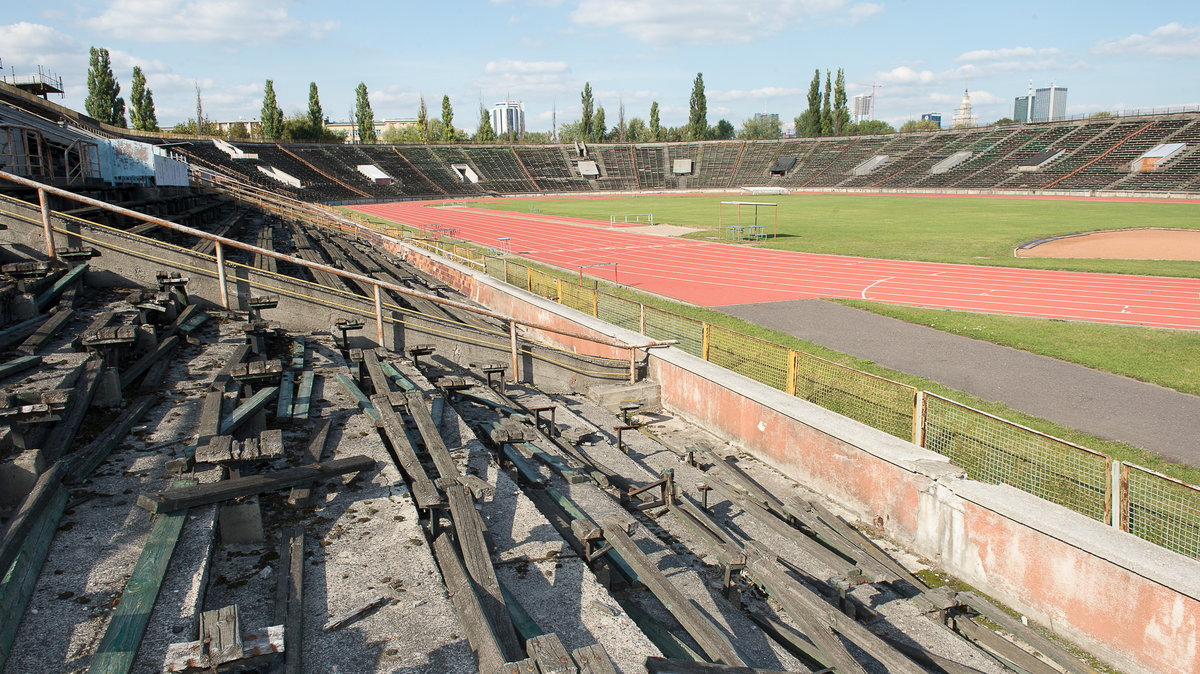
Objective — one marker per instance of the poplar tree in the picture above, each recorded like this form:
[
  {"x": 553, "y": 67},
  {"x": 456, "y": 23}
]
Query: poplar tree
[
  {"x": 599, "y": 132},
  {"x": 271, "y": 117},
  {"x": 826, "y": 111},
  {"x": 655, "y": 124},
  {"x": 141, "y": 103},
  {"x": 447, "y": 120},
  {"x": 698, "y": 110},
  {"x": 103, "y": 103},
  {"x": 316, "y": 117},
  {"x": 808, "y": 124},
  {"x": 841, "y": 112},
  {"x": 485, "y": 133},
  {"x": 366, "y": 118},
  {"x": 585, "y": 99},
  {"x": 423, "y": 122}
]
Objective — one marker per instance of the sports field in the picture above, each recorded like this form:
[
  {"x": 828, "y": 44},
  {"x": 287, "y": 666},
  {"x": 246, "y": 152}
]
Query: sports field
[{"x": 972, "y": 230}]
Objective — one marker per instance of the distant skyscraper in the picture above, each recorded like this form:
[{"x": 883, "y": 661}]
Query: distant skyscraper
[
  {"x": 1049, "y": 104},
  {"x": 862, "y": 107},
  {"x": 935, "y": 117},
  {"x": 964, "y": 117},
  {"x": 508, "y": 116},
  {"x": 1023, "y": 108}
]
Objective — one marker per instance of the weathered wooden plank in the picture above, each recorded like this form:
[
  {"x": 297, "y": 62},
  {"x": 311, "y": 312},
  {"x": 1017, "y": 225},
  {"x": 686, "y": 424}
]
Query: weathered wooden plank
[
  {"x": 467, "y": 607},
  {"x": 210, "y": 415},
  {"x": 303, "y": 399},
  {"x": 392, "y": 371},
  {"x": 593, "y": 660},
  {"x": 379, "y": 381},
  {"x": 714, "y": 642},
  {"x": 298, "y": 346},
  {"x": 35, "y": 503},
  {"x": 248, "y": 409},
  {"x": 468, "y": 529},
  {"x": 1013, "y": 656},
  {"x": 82, "y": 462},
  {"x": 223, "y": 377},
  {"x": 657, "y": 665},
  {"x": 45, "y": 331},
  {"x": 119, "y": 645},
  {"x": 50, "y": 295},
  {"x": 63, "y": 433},
  {"x": 289, "y": 596},
  {"x": 434, "y": 444},
  {"x": 817, "y": 617},
  {"x": 19, "y": 365},
  {"x": 312, "y": 454},
  {"x": 424, "y": 493},
  {"x": 364, "y": 403},
  {"x": 224, "y": 490},
  {"x": 221, "y": 632},
  {"x": 1048, "y": 648},
  {"x": 20, "y": 575},
  {"x": 550, "y": 654},
  {"x": 139, "y": 367},
  {"x": 287, "y": 392},
  {"x": 19, "y": 331}
]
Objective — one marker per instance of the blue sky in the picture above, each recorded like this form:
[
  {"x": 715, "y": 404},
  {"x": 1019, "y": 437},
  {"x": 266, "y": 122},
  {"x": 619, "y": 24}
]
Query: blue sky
[{"x": 756, "y": 55}]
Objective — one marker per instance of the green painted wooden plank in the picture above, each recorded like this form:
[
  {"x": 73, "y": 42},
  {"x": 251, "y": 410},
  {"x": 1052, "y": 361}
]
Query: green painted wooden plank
[
  {"x": 21, "y": 577},
  {"x": 303, "y": 399},
  {"x": 355, "y": 392},
  {"x": 121, "y": 639},
  {"x": 197, "y": 319},
  {"x": 19, "y": 364},
  {"x": 283, "y": 410},
  {"x": 248, "y": 409},
  {"x": 17, "y": 333},
  {"x": 298, "y": 353},
  {"x": 52, "y": 293},
  {"x": 398, "y": 377}
]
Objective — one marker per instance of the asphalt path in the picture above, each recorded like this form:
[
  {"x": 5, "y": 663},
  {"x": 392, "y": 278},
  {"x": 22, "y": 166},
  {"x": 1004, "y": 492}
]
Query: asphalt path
[{"x": 1106, "y": 405}]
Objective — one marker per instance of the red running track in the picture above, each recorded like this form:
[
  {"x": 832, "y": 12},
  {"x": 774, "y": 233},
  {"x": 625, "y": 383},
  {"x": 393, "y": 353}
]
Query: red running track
[{"x": 714, "y": 274}]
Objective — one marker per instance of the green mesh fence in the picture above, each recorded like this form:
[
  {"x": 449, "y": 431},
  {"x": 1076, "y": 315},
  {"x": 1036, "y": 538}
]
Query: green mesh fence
[
  {"x": 666, "y": 325},
  {"x": 875, "y": 401},
  {"x": 760, "y": 360},
  {"x": 620, "y": 311},
  {"x": 1160, "y": 509}
]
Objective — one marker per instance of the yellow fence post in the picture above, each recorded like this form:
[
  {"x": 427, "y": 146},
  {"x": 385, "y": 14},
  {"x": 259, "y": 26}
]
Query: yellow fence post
[
  {"x": 704, "y": 341},
  {"x": 558, "y": 290},
  {"x": 642, "y": 317},
  {"x": 596, "y": 302},
  {"x": 512, "y": 337},
  {"x": 793, "y": 368},
  {"x": 1121, "y": 515},
  {"x": 918, "y": 431}
]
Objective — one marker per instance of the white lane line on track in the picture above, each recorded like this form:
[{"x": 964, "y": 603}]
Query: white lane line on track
[{"x": 864, "y": 290}]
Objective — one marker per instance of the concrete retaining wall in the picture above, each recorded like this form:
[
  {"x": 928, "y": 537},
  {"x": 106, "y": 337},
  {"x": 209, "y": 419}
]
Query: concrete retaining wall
[{"x": 1132, "y": 603}]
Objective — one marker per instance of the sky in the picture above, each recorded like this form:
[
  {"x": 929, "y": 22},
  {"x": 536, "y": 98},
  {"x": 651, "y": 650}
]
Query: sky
[{"x": 755, "y": 55}]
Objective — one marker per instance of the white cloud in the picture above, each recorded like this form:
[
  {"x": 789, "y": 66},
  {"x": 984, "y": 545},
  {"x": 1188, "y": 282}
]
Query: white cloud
[
  {"x": 226, "y": 21},
  {"x": 36, "y": 44},
  {"x": 523, "y": 78},
  {"x": 1171, "y": 40},
  {"x": 1007, "y": 53},
  {"x": 525, "y": 67},
  {"x": 711, "y": 21},
  {"x": 906, "y": 75},
  {"x": 863, "y": 11}
]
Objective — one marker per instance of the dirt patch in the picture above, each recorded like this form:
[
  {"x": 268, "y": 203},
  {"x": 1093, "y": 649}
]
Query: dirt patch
[{"x": 1125, "y": 244}]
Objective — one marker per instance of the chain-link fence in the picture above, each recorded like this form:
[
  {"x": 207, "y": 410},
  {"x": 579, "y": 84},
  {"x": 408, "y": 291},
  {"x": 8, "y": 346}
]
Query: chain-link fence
[
  {"x": 1160, "y": 509},
  {"x": 666, "y": 325},
  {"x": 620, "y": 311},
  {"x": 758, "y": 359},
  {"x": 996, "y": 451},
  {"x": 875, "y": 401}
]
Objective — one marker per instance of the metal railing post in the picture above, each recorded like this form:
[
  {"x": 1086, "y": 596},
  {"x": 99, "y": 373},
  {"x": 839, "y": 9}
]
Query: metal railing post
[
  {"x": 47, "y": 231},
  {"x": 1116, "y": 517},
  {"x": 512, "y": 340},
  {"x": 221, "y": 275},
  {"x": 918, "y": 430}
]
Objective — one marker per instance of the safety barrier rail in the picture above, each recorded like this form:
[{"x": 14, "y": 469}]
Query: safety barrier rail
[{"x": 989, "y": 449}]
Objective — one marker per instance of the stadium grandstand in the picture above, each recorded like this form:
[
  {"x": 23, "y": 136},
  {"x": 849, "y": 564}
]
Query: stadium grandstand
[{"x": 244, "y": 431}]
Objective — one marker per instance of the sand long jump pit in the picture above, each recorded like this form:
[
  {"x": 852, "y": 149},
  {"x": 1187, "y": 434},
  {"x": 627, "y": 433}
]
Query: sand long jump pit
[{"x": 1148, "y": 243}]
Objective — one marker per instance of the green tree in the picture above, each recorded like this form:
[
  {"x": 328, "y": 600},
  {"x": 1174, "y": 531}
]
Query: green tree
[
  {"x": 585, "y": 100},
  {"x": 698, "y": 110},
  {"x": 808, "y": 124},
  {"x": 402, "y": 135},
  {"x": 535, "y": 138},
  {"x": 921, "y": 125},
  {"x": 423, "y": 122},
  {"x": 448, "y": 134},
  {"x": 364, "y": 115},
  {"x": 141, "y": 103},
  {"x": 485, "y": 133},
  {"x": 655, "y": 124},
  {"x": 826, "y": 110},
  {"x": 1004, "y": 120},
  {"x": 272, "y": 114},
  {"x": 636, "y": 131},
  {"x": 572, "y": 132},
  {"x": 870, "y": 127},
  {"x": 238, "y": 131},
  {"x": 723, "y": 130},
  {"x": 315, "y": 116},
  {"x": 103, "y": 103},
  {"x": 841, "y": 112},
  {"x": 761, "y": 127},
  {"x": 598, "y": 132}
]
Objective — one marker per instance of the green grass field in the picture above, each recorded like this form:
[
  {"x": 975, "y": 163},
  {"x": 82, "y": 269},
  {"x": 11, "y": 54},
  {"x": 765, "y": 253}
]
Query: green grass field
[{"x": 946, "y": 229}]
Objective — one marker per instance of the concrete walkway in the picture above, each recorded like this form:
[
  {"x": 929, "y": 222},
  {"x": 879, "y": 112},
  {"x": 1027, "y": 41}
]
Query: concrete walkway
[{"x": 1110, "y": 406}]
